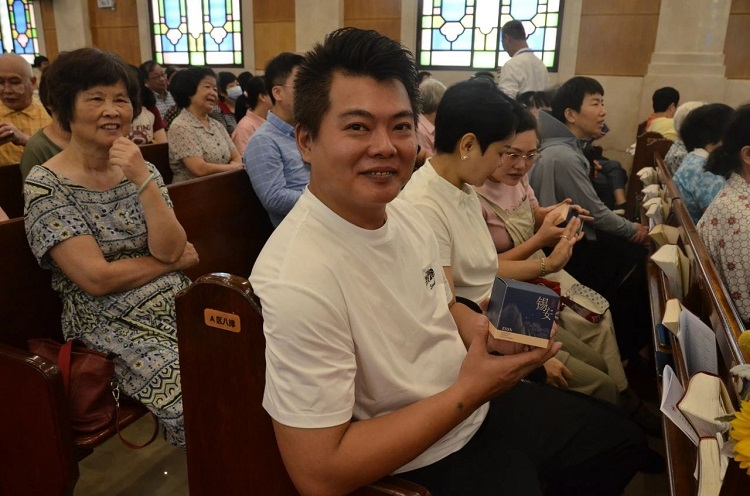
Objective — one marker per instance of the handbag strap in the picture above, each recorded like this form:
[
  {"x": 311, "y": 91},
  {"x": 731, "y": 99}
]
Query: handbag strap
[
  {"x": 116, "y": 395},
  {"x": 63, "y": 361}
]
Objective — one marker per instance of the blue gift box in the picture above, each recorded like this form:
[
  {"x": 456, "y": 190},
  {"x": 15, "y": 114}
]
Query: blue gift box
[{"x": 522, "y": 312}]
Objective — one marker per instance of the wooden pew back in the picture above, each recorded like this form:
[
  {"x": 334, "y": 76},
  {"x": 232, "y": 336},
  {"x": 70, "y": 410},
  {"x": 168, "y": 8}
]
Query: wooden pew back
[
  {"x": 158, "y": 154},
  {"x": 11, "y": 190},
  {"x": 222, "y": 355},
  {"x": 225, "y": 221},
  {"x": 643, "y": 158}
]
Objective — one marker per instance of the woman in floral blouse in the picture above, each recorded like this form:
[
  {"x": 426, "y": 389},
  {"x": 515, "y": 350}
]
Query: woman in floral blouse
[{"x": 725, "y": 226}]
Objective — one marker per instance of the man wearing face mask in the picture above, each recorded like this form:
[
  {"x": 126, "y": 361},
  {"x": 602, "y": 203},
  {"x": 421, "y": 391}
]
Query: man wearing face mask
[{"x": 229, "y": 91}]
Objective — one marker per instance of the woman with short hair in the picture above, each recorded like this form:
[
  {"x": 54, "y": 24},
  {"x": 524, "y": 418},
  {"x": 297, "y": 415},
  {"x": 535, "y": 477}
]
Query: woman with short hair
[
  {"x": 100, "y": 218},
  {"x": 198, "y": 144}
]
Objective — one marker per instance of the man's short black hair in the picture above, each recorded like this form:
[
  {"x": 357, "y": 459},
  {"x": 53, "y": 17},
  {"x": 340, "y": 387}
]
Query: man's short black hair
[
  {"x": 571, "y": 94},
  {"x": 664, "y": 97},
  {"x": 78, "y": 70},
  {"x": 279, "y": 69},
  {"x": 705, "y": 125},
  {"x": 351, "y": 52},
  {"x": 185, "y": 83},
  {"x": 514, "y": 30},
  {"x": 475, "y": 106},
  {"x": 534, "y": 99}
]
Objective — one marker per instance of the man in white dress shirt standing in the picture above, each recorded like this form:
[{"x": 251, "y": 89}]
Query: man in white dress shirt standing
[{"x": 524, "y": 71}]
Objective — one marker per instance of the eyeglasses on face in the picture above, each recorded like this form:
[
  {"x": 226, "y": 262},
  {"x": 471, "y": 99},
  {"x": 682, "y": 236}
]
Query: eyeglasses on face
[
  {"x": 157, "y": 75},
  {"x": 529, "y": 158}
]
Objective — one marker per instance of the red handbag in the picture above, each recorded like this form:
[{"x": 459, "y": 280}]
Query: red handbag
[{"x": 88, "y": 376}]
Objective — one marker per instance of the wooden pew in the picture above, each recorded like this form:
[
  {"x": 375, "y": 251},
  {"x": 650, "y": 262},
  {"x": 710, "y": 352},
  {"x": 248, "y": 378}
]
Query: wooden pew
[
  {"x": 643, "y": 157},
  {"x": 158, "y": 154},
  {"x": 11, "y": 190},
  {"x": 223, "y": 376},
  {"x": 228, "y": 226},
  {"x": 708, "y": 298}
]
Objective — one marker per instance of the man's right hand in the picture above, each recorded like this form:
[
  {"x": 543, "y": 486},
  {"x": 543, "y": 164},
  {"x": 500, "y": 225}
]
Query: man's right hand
[
  {"x": 488, "y": 375},
  {"x": 641, "y": 234}
]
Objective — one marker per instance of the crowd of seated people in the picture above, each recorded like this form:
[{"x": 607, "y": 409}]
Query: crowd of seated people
[{"x": 494, "y": 171}]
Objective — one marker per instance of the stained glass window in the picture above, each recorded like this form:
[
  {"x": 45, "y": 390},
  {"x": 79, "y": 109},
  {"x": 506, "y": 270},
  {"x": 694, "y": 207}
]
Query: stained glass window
[
  {"x": 18, "y": 30},
  {"x": 465, "y": 34},
  {"x": 197, "y": 32}
]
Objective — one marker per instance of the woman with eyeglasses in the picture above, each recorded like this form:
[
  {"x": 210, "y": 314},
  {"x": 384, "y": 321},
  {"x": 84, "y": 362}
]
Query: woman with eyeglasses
[
  {"x": 474, "y": 130},
  {"x": 520, "y": 228}
]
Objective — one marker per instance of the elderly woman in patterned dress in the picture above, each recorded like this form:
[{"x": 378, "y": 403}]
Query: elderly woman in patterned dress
[
  {"x": 99, "y": 217},
  {"x": 198, "y": 144},
  {"x": 725, "y": 225}
]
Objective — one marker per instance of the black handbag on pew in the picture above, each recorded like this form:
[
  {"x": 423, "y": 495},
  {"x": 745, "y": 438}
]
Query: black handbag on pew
[{"x": 90, "y": 386}]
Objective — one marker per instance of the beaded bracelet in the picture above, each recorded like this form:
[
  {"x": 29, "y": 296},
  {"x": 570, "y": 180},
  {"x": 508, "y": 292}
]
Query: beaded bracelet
[
  {"x": 145, "y": 183},
  {"x": 543, "y": 267}
]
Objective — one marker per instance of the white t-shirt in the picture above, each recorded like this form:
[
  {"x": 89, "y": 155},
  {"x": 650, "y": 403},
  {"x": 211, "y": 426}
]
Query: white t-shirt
[
  {"x": 356, "y": 321},
  {"x": 523, "y": 72},
  {"x": 464, "y": 241}
]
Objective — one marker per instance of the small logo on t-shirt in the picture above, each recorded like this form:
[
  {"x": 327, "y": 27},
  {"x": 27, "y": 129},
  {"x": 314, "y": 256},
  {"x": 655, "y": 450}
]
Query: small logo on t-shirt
[{"x": 429, "y": 277}]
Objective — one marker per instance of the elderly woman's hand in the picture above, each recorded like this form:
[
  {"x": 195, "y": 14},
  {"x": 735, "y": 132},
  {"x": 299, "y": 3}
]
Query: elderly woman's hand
[{"x": 127, "y": 156}]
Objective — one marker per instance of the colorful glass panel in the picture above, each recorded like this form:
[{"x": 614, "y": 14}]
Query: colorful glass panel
[
  {"x": 465, "y": 34},
  {"x": 197, "y": 32},
  {"x": 18, "y": 33}
]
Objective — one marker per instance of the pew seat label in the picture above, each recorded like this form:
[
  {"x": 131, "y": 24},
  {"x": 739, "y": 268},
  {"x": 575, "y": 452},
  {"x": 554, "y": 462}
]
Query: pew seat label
[{"x": 222, "y": 320}]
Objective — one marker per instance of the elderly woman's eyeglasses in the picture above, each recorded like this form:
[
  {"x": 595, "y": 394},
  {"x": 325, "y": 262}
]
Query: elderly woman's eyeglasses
[
  {"x": 529, "y": 158},
  {"x": 157, "y": 75}
]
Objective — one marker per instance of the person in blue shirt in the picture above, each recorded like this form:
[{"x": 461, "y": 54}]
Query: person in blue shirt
[
  {"x": 272, "y": 160},
  {"x": 701, "y": 132}
]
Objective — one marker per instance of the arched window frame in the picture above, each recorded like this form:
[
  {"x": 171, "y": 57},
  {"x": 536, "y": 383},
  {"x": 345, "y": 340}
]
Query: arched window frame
[{"x": 479, "y": 43}]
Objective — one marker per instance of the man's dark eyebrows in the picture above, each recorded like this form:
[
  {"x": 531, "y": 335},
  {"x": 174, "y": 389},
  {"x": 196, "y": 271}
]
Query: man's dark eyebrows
[{"x": 369, "y": 115}]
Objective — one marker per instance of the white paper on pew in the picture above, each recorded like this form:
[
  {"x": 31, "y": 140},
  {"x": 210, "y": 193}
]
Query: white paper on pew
[
  {"x": 698, "y": 343},
  {"x": 675, "y": 265},
  {"x": 671, "y": 393},
  {"x": 648, "y": 176},
  {"x": 651, "y": 191}
]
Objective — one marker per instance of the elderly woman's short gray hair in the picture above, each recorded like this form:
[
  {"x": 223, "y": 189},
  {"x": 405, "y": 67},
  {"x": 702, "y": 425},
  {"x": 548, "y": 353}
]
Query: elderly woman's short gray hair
[{"x": 431, "y": 92}]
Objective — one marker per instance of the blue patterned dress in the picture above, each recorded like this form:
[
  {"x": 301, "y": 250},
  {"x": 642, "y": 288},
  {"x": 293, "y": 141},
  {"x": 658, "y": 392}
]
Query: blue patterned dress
[{"x": 137, "y": 325}]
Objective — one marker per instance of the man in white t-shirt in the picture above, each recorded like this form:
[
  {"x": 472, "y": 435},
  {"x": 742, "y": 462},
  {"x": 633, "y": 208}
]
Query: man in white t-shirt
[
  {"x": 524, "y": 71},
  {"x": 367, "y": 369}
]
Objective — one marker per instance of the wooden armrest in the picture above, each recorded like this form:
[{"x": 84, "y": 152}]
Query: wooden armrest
[{"x": 35, "y": 440}]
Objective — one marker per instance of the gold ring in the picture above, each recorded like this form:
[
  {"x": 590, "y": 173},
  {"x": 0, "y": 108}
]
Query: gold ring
[{"x": 564, "y": 236}]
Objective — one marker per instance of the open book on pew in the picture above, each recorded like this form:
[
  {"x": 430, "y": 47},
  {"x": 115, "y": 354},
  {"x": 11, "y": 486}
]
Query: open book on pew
[
  {"x": 676, "y": 267},
  {"x": 671, "y": 394},
  {"x": 698, "y": 343},
  {"x": 664, "y": 234},
  {"x": 706, "y": 404}
]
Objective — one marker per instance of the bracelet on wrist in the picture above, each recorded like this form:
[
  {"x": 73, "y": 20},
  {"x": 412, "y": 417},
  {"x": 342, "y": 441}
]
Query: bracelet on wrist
[
  {"x": 543, "y": 267},
  {"x": 145, "y": 183}
]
